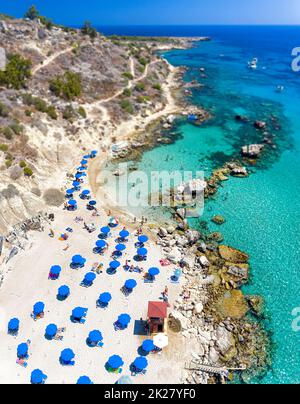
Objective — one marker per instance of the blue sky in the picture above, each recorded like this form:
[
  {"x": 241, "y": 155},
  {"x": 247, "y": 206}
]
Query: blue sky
[{"x": 161, "y": 12}]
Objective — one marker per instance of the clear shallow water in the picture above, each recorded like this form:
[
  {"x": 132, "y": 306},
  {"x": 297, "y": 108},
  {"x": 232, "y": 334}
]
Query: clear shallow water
[{"x": 262, "y": 211}]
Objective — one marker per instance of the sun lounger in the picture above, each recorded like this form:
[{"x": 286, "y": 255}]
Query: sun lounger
[
  {"x": 22, "y": 363},
  {"x": 100, "y": 344}
]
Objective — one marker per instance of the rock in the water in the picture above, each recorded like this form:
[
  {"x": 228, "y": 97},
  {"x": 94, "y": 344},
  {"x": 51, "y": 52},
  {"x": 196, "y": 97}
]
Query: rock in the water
[
  {"x": 260, "y": 125},
  {"x": 252, "y": 150},
  {"x": 218, "y": 219},
  {"x": 232, "y": 255}
]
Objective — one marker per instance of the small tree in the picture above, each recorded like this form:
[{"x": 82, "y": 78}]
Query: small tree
[
  {"x": 87, "y": 29},
  {"x": 32, "y": 13},
  {"x": 17, "y": 71},
  {"x": 68, "y": 86}
]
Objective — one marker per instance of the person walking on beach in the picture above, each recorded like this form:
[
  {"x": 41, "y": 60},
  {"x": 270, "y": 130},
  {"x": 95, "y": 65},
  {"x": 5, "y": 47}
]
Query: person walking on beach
[{"x": 165, "y": 294}]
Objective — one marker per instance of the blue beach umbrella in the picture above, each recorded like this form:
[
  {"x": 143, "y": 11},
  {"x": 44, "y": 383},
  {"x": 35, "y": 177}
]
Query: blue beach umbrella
[
  {"x": 140, "y": 363},
  {"x": 124, "y": 319},
  {"x": 72, "y": 202},
  {"x": 94, "y": 152},
  {"x": 78, "y": 260},
  {"x": 67, "y": 355},
  {"x": 148, "y": 345},
  {"x": 130, "y": 284},
  {"x": 84, "y": 380},
  {"x": 101, "y": 244},
  {"x": 92, "y": 203},
  {"x": 78, "y": 312},
  {"x": 142, "y": 252},
  {"x": 120, "y": 247},
  {"x": 95, "y": 336},
  {"x": 70, "y": 191},
  {"x": 64, "y": 291},
  {"x": 89, "y": 277},
  {"x": 84, "y": 162},
  {"x": 55, "y": 270},
  {"x": 22, "y": 350},
  {"x": 105, "y": 297},
  {"x": 37, "y": 377},
  {"x": 143, "y": 239},
  {"x": 114, "y": 264},
  {"x": 38, "y": 308},
  {"x": 14, "y": 324},
  {"x": 51, "y": 330},
  {"x": 105, "y": 230},
  {"x": 115, "y": 362},
  {"x": 124, "y": 234},
  {"x": 76, "y": 184},
  {"x": 86, "y": 192},
  {"x": 153, "y": 271},
  {"x": 78, "y": 175}
]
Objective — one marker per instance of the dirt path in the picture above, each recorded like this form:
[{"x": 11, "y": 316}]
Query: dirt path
[{"x": 50, "y": 60}]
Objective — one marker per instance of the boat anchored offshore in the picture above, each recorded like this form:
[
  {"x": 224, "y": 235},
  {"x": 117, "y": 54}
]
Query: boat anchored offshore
[
  {"x": 253, "y": 64},
  {"x": 279, "y": 89}
]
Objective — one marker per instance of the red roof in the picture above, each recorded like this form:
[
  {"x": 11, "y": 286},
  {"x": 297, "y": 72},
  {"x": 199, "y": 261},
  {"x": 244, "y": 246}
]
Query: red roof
[{"x": 157, "y": 310}]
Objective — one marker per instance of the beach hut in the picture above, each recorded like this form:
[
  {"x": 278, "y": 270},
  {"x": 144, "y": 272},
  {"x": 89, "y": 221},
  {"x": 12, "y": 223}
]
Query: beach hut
[
  {"x": 66, "y": 357},
  {"x": 37, "y": 377},
  {"x": 78, "y": 262},
  {"x": 63, "y": 292},
  {"x": 122, "y": 322},
  {"x": 124, "y": 234},
  {"x": 13, "y": 326},
  {"x": 22, "y": 350},
  {"x": 104, "y": 300},
  {"x": 148, "y": 346},
  {"x": 38, "y": 310},
  {"x": 139, "y": 365},
  {"x": 84, "y": 380},
  {"x": 95, "y": 338},
  {"x": 157, "y": 317},
  {"x": 78, "y": 315},
  {"x": 115, "y": 362},
  {"x": 51, "y": 331},
  {"x": 55, "y": 271},
  {"x": 88, "y": 279},
  {"x": 130, "y": 284}
]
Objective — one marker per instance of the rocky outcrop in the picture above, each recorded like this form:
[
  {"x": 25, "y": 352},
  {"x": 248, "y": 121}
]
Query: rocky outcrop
[
  {"x": 252, "y": 151},
  {"x": 233, "y": 255}
]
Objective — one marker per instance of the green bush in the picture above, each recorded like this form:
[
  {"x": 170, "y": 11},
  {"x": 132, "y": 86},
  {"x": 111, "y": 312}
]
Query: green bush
[
  {"x": 46, "y": 22},
  {"x": 68, "y": 86},
  {"x": 8, "y": 133},
  {"x": 51, "y": 111},
  {"x": 127, "y": 106},
  {"x": 22, "y": 164},
  {"x": 127, "y": 92},
  {"x": 128, "y": 75},
  {"x": 17, "y": 71},
  {"x": 4, "y": 111},
  {"x": 17, "y": 128},
  {"x": 87, "y": 29},
  {"x": 3, "y": 147},
  {"x": 28, "y": 171},
  {"x": 82, "y": 112},
  {"x": 157, "y": 86},
  {"x": 140, "y": 87},
  {"x": 32, "y": 13},
  {"x": 69, "y": 113},
  {"x": 28, "y": 112}
]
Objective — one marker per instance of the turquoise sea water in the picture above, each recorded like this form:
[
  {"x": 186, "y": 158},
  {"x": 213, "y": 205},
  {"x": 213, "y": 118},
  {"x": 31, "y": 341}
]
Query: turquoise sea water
[{"x": 262, "y": 211}]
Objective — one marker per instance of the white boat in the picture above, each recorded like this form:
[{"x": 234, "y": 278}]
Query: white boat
[
  {"x": 253, "y": 64},
  {"x": 279, "y": 89}
]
